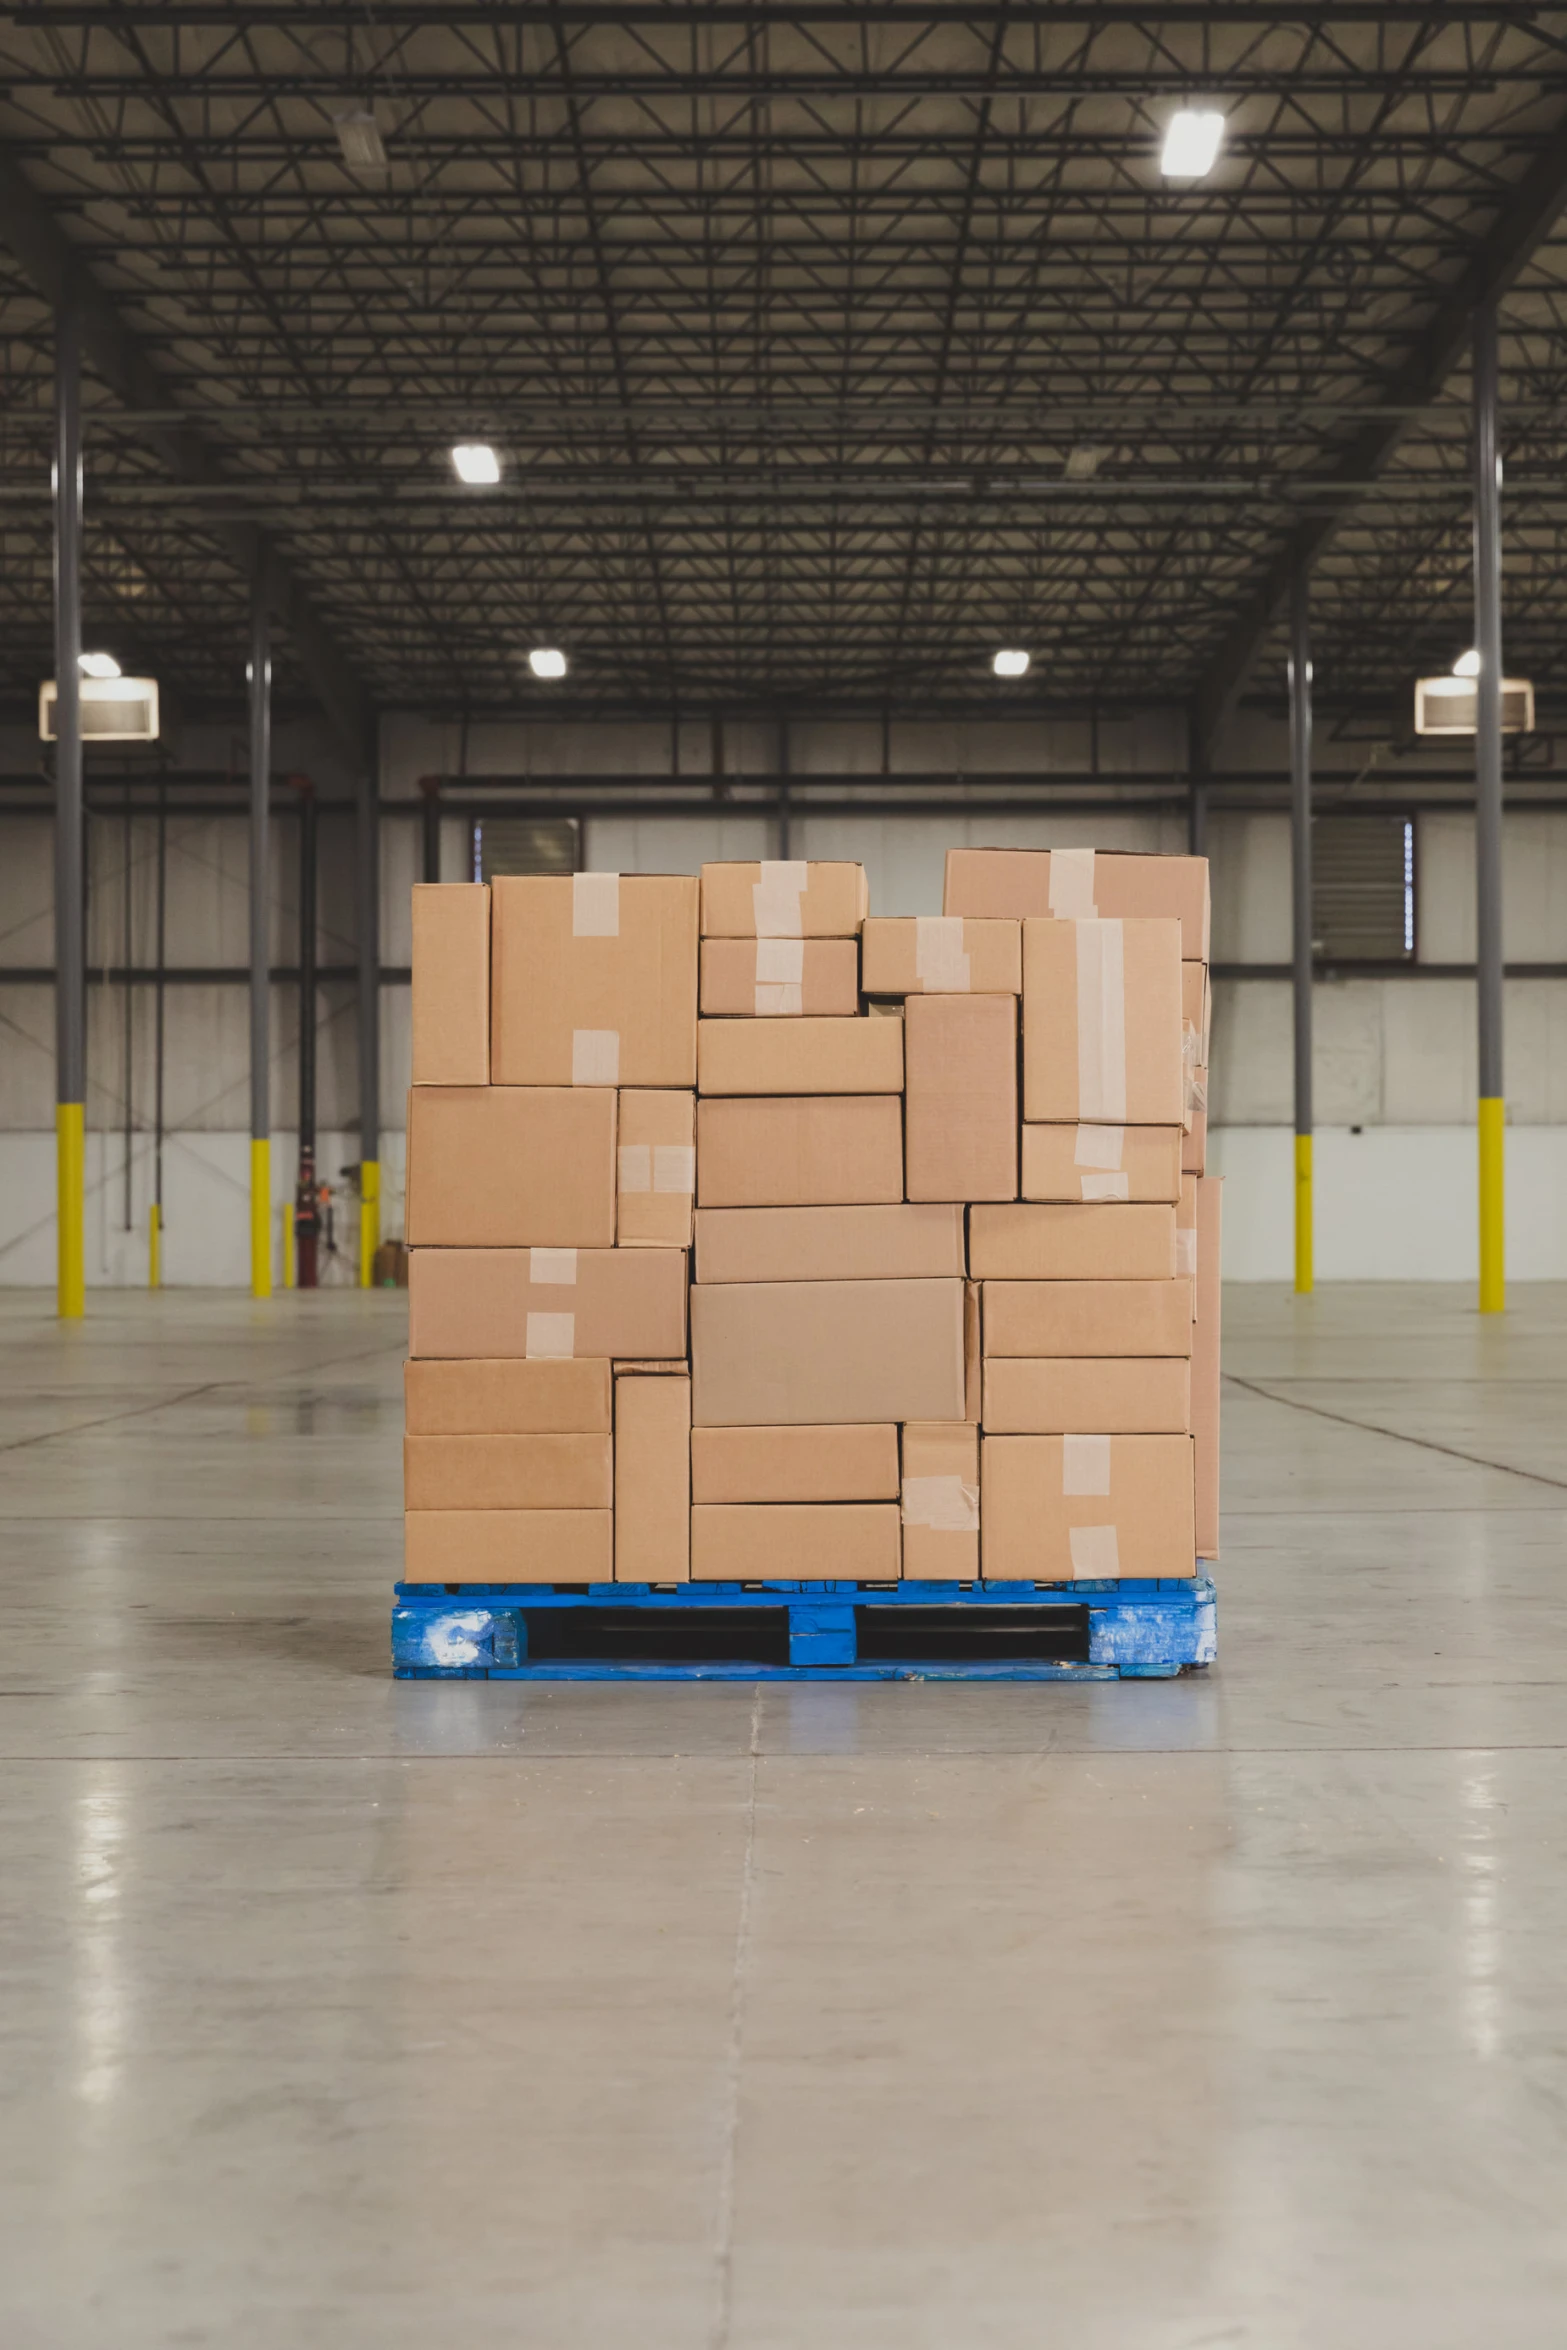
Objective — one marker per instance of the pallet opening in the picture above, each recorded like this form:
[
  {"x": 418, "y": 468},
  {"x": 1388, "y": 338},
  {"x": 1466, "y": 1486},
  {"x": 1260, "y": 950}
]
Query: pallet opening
[
  {"x": 959, "y": 1635},
  {"x": 659, "y": 1635}
]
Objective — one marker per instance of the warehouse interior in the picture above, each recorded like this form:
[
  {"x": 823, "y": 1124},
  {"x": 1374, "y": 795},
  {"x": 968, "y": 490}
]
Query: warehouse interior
[{"x": 619, "y": 438}]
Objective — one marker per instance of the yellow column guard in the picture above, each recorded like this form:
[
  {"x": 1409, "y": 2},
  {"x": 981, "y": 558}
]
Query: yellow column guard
[
  {"x": 260, "y": 1216},
  {"x": 369, "y": 1219},
  {"x": 70, "y": 1156},
  {"x": 1493, "y": 1249},
  {"x": 154, "y": 1246},
  {"x": 1303, "y": 1216}
]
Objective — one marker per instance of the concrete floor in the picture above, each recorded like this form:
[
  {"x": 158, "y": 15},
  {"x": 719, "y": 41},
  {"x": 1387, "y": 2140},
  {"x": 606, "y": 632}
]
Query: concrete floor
[{"x": 346, "y": 2015}]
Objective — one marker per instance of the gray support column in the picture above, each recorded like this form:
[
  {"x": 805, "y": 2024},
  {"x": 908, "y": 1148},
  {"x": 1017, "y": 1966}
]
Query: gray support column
[
  {"x": 70, "y": 988},
  {"x": 368, "y": 866},
  {"x": 1197, "y": 771},
  {"x": 1488, "y": 806},
  {"x": 1301, "y": 909},
  {"x": 784, "y": 811},
  {"x": 260, "y": 685}
]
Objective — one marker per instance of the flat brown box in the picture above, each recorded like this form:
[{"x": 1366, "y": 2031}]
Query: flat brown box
[
  {"x": 1102, "y": 1163},
  {"x": 1102, "y": 1024},
  {"x": 960, "y": 1097},
  {"x": 1194, "y": 1145},
  {"x": 652, "y": 1480},
  {"x": 506, "y": 1473},
  {"x": 593, "y": 979},
  {"x": 799, "y": 1056},
  {"x": 1073, "y": 1242},
  {"x": 506, "y": 1398},
  {"x": 508, "y": 1546},
  {"x": 1205, "y": 1363},
  {"x": 780, "y": 978},
  {"x": 940, "y": 1503},
  {"x": 547, "y": 1304},
  {"x": 940, "y": 954},
  {"x": 802, "y": 899},
  {"x": 900, "y": 1243},
  {"x": 1115, "y": 1395},
  {"x": 510, "y": 1166},
  {"x": 834, "y": 1150},
  {"x": 1081, "y": 885},
  {"x": 1073, "y": 1318},
  {"x": 836, "y": 1541},
  {"x": 794, "y": 1464},
  {"x": 450, "y": 1010},
  {"x": 656, "y": 1163},
  {"x": 785, "y": 1354},
  {"x": 1063, "y": 1508}
]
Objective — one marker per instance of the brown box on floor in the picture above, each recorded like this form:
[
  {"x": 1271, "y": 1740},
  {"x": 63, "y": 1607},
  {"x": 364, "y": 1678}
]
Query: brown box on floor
[
  {"x": 489, "y": 1397},
  {"x": 1067, "y": 1242},
  {"x": 508, "y": 1546},
  {"x": 833, "y": 1150},
  {"x": 834, "y": 1463},
  {"x": 450, "y": 1007},
  {"x": 1087, "y": 1318},
  {"x": 1102, "y": 1162},
  {"x": 1064, "y": 1508},
  {"x": 1102, "y": 1024},
  {"x": 1117, "y": 1395},
  {"x": 832, "y": 1542},
  {"x": 940, "y": 1503},
  {"x": 797, "y": 899},
  {"x": 778, "y": 1354},
  {"x": 510, "y": 1166},
  {"x": 593, "y": 979},
  {"x": 652, "y": 1480},
  {"x": 894, "y": 1243},
  {"x": 780, "y": 978},
  {"x": 940, "y": 954},
  {"x": 799, "y": 1056},
  {"x": 1205, "y": 1362},
  {"x": 506, "y": 1473},
  {"x": 1078, "y": 885},
  {"x": 960, "y": 1102},
  {"x": 656, "y": 1163},
  {"x": 547, "y": 1304}
]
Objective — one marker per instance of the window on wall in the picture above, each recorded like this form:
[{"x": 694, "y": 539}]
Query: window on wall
[
  {"x": 524, "y": 844},
  {"x": 1363, "y": 889}
]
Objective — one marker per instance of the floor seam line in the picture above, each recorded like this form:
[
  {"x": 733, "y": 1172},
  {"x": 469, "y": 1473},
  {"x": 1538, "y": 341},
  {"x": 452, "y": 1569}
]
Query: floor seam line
[{"x": 724, "y": 2214}]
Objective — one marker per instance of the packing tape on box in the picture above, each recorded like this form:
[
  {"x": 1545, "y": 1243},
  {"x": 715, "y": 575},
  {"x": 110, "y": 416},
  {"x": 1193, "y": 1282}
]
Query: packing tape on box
[
  {"x": 552, "y": 1268},
  {"x": 776, "y": 897},
  {"x": 595, "y": 905},
  {"x": 780, "y": 999},
  {"x": 780, "y": 978},
  {"x": 595, "y": 1054},
  {"x": 1085, "y": 1465},
  {"x": 1101, "y": 1020},
  {"x": 674, "y": 1167},
  {"x": 1102, "y": 1147},
  {"x": 636, "y": 1166},
  {"x": 945, "y": 1504},
  {"x": 1095, "y": 1551},
  {"x": 551, "y": 1338},
  {"x": 1072, "y": 885},
  {"x": 1103, "y": 1185},
  {"x": 940, "y": 964},
  {"x": 1186, "y": 1250}
]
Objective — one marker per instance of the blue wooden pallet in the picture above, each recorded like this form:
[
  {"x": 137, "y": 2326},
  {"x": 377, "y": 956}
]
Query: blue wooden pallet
[{"x": 788, "y": 1631}]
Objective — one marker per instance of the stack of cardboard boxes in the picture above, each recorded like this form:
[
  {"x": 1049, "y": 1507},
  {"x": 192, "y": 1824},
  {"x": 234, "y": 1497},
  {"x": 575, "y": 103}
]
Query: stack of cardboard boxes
[{"x": 941, "y": 1300}]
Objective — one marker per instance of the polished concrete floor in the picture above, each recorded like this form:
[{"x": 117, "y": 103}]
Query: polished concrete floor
[{"x": 338, "y": 2014}]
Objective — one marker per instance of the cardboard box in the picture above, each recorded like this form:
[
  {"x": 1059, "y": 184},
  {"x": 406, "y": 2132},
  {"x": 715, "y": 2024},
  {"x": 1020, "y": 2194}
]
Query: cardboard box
[
  {"x": 1205, "y": 1363},
  {"x": 1186, "y": 1238},
  {"x": 973, "y": 1354},
  {"x": 789, "y": 1354},
  {"x": 908, "y": 1243},
  {"x": 1117, "y": 1395},
  {"x": 1102, "y": 1024},
  {"x": 1056, "y": 1509},
  {"x": 506, "y": 1473},
  {"x": 652, "y": 1480},
  {"x": 656, "y": 1169},
  {"x": 960, "y": 1099},
  {"x": 799, "y": 1056},
  {"x": 510, "y": 1166},
  {"x": 940, "y": 1503},
  {"x": 1078, "y": 885},
  {"x": 450, "y": 1010},
  {"x": 506, "y": 1398},
  {"x": 940, "y": 954},
  {"x": 1196, "y": 1013},
  {"x": 1194, "y": 1143},
  {"x": 794, "y": 1464},
  {"x": 1052, "y": 1242},
  {"x": 547, "y": 1304},
  {"x": 842, "y": 1541},
  {"x": 593, "y": 979},
  {"x": 1074, "y": 1318},
  {"x": 783, "y": 900},
  {"x": 780, "y": 978},
  {"x": 507, "y": 1546},
  {"x": 1102, "y": 1162},
  {"x": 836, "y": 1150}
]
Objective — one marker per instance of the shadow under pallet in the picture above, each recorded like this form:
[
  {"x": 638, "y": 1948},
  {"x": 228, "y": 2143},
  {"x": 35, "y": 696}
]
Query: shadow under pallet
[{"x": 1127, "y": 1630}]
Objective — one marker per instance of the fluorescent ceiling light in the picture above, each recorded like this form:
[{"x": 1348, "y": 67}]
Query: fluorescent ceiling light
[
  {"x": 1084, "y": 462},
  {"x": 1191, "y": 144},
  {"x": 98, "y": 665},
  {"x": 547, "y": 661},
  {"x": 1467, "y": 664},
  {"x": 359, "y": 136},
  {"x": 1012, "y": 663},
  {"x": 476, "y": 462}
]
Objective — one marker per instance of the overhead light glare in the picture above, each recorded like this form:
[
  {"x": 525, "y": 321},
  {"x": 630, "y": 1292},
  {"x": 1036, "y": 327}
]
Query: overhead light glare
[
  {"x": 359, "y": 136},
  {"x": 547, "y": 661},
  {"x": 1467, "y": 664},
  {"x": 98, "y": 665},
  {"x": 1011, "y": 662},
  {"x": 1192, "y": 141},
  {"x": 476, "y": 462}
]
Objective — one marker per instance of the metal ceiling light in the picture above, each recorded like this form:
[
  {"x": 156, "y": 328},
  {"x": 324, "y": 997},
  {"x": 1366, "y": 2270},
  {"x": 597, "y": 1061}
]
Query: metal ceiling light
[
  {"x": 547, "y": 661},
  {"x": 1012, "y": 662},
  {"x": 1467, "y": 664},
  {"x": 98, "y": 665},
  {"x": 1192, "y": 141},
  {"x": 359, "y": 136},
  {"x": 476, "y": 462}
]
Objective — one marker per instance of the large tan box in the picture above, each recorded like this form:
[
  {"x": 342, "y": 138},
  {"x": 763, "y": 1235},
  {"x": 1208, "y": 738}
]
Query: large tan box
[
  {"x": 1076, "y": 1318},
  {"x": 780, "y": 978},
  {"x": 506, "y": 1473},
  {"x": 940, "y": 954},
  {"x": 593, "y": 979},
  {"x": 783, "y": 900},
  {"x": 1186, "y": 1237},
  {"x": 510, "y": 1166},
  {"x": 508, "y": 1546},
  {"x": 899, "y": 1243},
  {"x": 777, "y": 1354},
  {"x": 960, "y": 1100},
  {"x": 1073, "y": 1242},
  {"x": 799, "y": 1056},
  {"x": 1205, "y": 1363},
  {"x": 547, "y": 1303},
  {"x": 794, "y": 1464},
  {"x": 656, "y": 1161},
  {"x": 1102, "y": 1024},
  {"x": 450, "y": 1009},
  {"x": 1117, "y": 1395},
  {"x": 973, "y": 1354},
  {"x": 1057, "y": 1509},
  {"x": 506, "y": 1398},
  {"x": 1194, "y": 1144},
  {"x": 1077, "y": 885},
  {"x": 1196, "y": 1013},
  {"x": 834, "y": 1542},
  {"x": 652, "y": 1480},
  {"x": 940, "y": 1503},
  {"x": 835, "y": 1150},
  {"x": 1102, "y": 1162}
]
